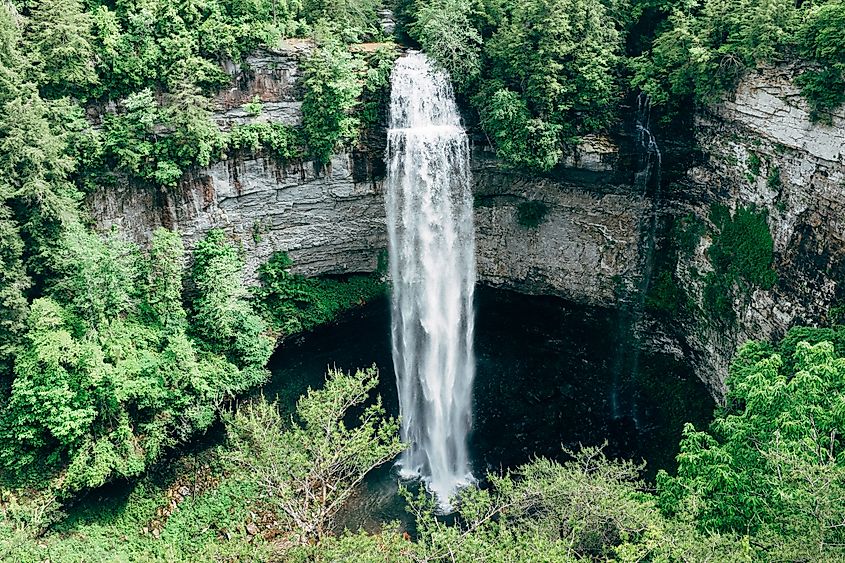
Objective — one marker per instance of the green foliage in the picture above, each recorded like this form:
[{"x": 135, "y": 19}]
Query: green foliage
[
  {"x": 703, "y": 49},
  {"x": 277, "y": 139},
  {"x": 309, "y": 467},
  {"x": 222, "y": 314},
  {"x": 59, "y": 42},
  {"x": 531, "y": 213},
  {"x": 352, "y": 19},
  {"x": 741, "y": 256},
  {"x": 820, "y": 38},
  {"x": 444, "y": 31},
  {"x": 253, "y": 108},
  {"x": 298, "y": 304},
  {"x": 13, "y": 285},
  {"x": 332, "y": 90},
  {"x": 559, "y": 55},
  {"x": 521, "y": 141},
  {"x": 376, "y": 94},
  {"x": 540, "y": 73},
  {"x": 106, "y": 377},
  {"x": 133, "y": 142},
  {"x": 772, "y": 463}
]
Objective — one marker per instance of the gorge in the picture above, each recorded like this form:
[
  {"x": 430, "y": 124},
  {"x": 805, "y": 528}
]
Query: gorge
[
  {"x": 589, "y": 246},
  {"x": 441, "y": 281}
]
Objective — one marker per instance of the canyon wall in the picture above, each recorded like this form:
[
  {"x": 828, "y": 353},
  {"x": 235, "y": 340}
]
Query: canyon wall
[
  {"x": 331, "y": 220},
  {"x": 762, "y": 151},
  {"x": 758, "y": 149}
]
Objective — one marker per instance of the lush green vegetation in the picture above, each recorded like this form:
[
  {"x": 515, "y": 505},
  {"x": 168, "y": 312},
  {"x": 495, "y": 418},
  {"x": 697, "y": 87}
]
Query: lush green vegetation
[
  {"x": 111, "y": 355},
  {"x": 741, "y": 256},
  {"x": 764, "y": 483},
  {"x": 540, "y": 74},
  {"x": 701, "y": 49},
  {"x": 295, "y": 303},
  {"x": 112, "y": 370}
]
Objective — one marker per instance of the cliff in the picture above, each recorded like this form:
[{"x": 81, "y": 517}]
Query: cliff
[
  {"x": 593, "y": 243},
  {"x": 762, "y": 151}
]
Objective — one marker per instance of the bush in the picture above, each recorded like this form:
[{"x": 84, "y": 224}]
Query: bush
[
  {"x": 298, "y": 304},
  {"x": 741, "y": 256},
  {"x": 530, "y": 214},
  {"x": 332, "y": 91}
]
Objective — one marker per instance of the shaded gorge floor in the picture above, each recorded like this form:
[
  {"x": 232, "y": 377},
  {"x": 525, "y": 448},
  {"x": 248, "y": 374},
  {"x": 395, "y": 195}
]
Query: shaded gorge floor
[{"x": 550, "y": 375}]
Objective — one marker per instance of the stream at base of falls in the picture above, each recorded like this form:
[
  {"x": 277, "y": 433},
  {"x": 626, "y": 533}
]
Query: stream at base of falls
[{"x": 544, "y": 382}]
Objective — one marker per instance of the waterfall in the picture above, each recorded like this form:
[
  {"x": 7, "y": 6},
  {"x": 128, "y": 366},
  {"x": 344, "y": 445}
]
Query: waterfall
[
  {"x": 647, "y": 180},
  {"x": 432, "y": 267}
]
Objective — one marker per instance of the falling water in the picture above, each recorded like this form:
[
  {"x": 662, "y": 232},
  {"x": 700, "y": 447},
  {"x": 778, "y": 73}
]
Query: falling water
[
  {"x": 646, "y": 177},
  {"x": 432, "y": 265}
]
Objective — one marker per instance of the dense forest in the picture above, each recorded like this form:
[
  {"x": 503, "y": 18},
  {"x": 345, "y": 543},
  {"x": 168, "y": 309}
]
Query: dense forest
[{"x": 113, "y": 356}]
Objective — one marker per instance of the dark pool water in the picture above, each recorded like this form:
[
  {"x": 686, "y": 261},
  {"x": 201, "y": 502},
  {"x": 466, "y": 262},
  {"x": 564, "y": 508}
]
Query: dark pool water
[{"x": 550, "y": 375}]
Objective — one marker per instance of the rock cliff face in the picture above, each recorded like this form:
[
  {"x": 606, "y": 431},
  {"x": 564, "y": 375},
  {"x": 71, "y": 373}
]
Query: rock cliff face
[
  {"x": 585, "y": 248},
  {"x": 590, "y": 246},
  {"x": 331, "y": 220},
  {"x": 761, "y": 150}
]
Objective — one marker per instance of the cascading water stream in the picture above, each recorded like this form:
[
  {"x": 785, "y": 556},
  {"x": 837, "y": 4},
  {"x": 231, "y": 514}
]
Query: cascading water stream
[
  {"x": 432, "y": 266},
  {"x": 646, "y": 177}
]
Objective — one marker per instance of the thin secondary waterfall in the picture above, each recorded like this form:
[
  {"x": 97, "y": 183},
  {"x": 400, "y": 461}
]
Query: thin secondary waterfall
[{"x": 432, "y": 265}]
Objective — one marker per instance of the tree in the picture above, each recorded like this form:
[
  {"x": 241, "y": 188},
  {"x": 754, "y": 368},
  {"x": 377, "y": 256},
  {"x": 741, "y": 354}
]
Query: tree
[
  {"x": 58, "y": 40},
  {"x": 772, "y": 464},
  {"x": 332, "y": 90},
  {"x": 222, "y": 314},
  {"x": 167, "y": 265},
  {"x": 560, "y": 55},
  {"x": 307, "y": 470},
  {"x": 445, "y": 33},
  {"x": 13, "y": 284}
]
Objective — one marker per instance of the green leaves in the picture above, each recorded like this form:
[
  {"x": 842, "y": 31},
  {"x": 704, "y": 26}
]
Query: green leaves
[
  {"x": 772, "y": 463},
  {"x": 445, "y": 33},
  {"x": 296, "y": 304},
  {"x": 309, "y": 467},
  {"x": 332, "y": 91},
  {"x": 109, "y": 380},
  {"x": 222, "y": 315}
]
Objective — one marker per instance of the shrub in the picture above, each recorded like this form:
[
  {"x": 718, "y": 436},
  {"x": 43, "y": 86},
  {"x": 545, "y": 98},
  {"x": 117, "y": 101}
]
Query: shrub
[{"x": 530, "y": 214}]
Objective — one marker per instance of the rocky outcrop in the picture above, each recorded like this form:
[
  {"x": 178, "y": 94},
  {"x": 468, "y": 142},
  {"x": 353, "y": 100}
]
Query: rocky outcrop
[
  {"x": 585, "y": 249},
  {"x": 329, "y": 220},
  {"x": 761, "y": 150}
]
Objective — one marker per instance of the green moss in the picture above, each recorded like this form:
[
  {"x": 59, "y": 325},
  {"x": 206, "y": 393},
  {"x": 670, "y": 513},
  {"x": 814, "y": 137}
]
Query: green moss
[
  {"x": 530, "y": 214},
  {"x": 687, "y": 232},
  {"x": 741, "y": 256},
  {"x": 753, "y": 162},
  {"x": 664, "y": 295},
  {"x": 773, "y": 181}
]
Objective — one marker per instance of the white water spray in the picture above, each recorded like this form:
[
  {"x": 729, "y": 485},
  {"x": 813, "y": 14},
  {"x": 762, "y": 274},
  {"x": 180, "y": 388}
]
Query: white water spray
[{"x": 432, "y": 265}]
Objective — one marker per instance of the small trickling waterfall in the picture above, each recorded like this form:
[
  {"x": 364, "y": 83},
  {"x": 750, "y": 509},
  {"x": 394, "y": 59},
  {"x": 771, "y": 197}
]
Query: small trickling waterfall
[
  {"x": 647, "y": 180},
  {"x": 432, "y": 266}
]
